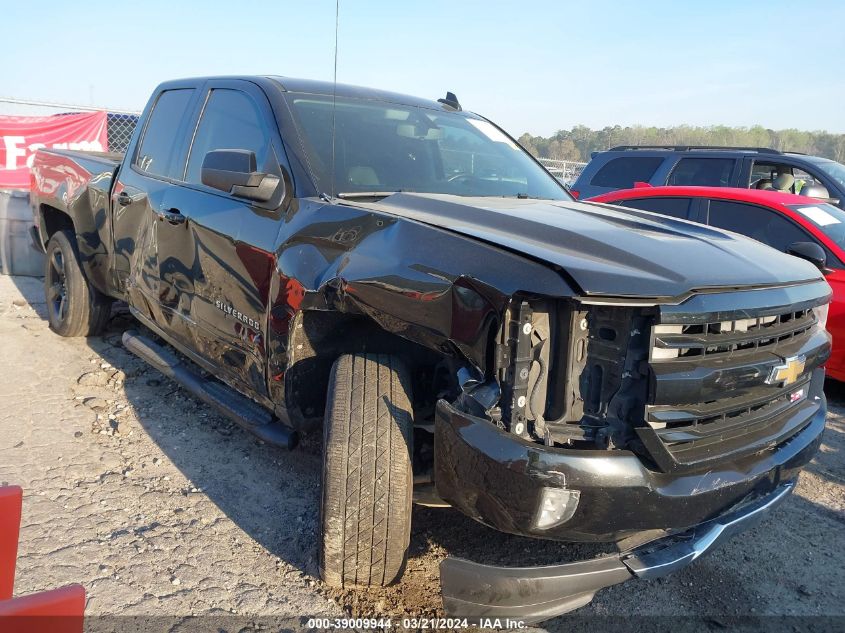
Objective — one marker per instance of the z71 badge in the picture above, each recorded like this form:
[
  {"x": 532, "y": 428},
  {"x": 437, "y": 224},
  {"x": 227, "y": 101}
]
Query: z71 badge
[{"x": 240, "y": 316}]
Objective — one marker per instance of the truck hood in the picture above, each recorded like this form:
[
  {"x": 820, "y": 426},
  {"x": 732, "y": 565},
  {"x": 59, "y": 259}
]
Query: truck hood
[{"x": 608, "y": 250}]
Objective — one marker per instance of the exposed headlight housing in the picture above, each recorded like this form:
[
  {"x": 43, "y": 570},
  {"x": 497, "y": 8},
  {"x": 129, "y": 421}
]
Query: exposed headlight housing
[
  {"x": 557, "y": 505},
  {"x": 821, "y": 314}
]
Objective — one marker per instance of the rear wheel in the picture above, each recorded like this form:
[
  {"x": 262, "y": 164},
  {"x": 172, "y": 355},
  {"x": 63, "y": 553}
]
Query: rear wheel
[
  {"x": 367, "y": 473},
  {"x": 74, "y": 307}
]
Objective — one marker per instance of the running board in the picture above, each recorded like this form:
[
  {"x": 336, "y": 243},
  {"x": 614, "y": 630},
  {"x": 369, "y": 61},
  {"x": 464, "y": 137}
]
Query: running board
[{"x": 240, "y": 409}]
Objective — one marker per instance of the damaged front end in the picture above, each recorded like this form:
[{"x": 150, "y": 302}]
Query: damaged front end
[
  {"x": 628, "y": 423},
  {"x": 565, "y": 374}
]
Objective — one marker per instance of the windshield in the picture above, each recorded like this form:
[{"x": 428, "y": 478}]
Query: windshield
[
  {"x": 830, "y": 167},
  {"x": 382, "y": 148},
  {"x": 829, "y": 219}
]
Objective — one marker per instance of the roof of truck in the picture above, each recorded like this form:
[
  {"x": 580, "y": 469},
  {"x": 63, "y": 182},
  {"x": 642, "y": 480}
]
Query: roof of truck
[{"x": 313, "y": 86}]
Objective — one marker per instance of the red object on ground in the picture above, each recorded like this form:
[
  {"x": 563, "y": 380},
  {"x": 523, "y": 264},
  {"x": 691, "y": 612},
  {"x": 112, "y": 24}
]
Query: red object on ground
[
  {"x": 57, "y": 611},
  {"x": 20, "y": 136},
  {"x": 10, "y": 523},
  {"x": 778, "y": 202}
]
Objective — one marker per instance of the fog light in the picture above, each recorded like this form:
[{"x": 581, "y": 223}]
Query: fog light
[{"x": 557, "y": 505}]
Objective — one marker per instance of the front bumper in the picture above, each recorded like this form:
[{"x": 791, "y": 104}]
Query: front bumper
[
  {"x": 498, "y": 479},
  {"x": 533, "y": 594}
]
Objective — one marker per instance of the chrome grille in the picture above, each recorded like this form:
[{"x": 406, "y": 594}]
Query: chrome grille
[
  {"x": 710, "y": 396},
  {"x": 728, "y": 337}
]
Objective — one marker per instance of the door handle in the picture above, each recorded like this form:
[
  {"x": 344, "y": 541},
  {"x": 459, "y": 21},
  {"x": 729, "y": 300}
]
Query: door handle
[
  {"x": 172, "y": 216},
  {"x": 124, "y": 199}
]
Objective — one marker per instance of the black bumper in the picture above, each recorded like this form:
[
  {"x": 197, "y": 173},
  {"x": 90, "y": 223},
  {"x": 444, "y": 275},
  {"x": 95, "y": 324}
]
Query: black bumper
[
  {"x": 497, "y": 479},
  {"x": 533, "y": 594}
]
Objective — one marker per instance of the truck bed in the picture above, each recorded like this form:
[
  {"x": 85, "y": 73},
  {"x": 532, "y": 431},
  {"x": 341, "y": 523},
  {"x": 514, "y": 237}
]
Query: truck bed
[
  {"x": 74, "y": 182},
  {"x": 60, "y": 175},
  {"x": 82, "y": 158}
]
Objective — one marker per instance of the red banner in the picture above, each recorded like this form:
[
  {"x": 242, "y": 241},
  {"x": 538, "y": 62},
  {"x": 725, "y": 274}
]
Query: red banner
[{"x": 20, "y": 136}]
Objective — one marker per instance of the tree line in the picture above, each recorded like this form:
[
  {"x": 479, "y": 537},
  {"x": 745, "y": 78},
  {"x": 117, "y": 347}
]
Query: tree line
[{"x": 578, "y": 143}]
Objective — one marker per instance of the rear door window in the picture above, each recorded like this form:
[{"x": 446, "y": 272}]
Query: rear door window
[
  {"x": 756, "y": 222},
  {"x": 703, "y": 172},
  {"x": 623, "y": 172},
  {"x": 675, "y": 207},
  {"x": 160, "y": 144}
]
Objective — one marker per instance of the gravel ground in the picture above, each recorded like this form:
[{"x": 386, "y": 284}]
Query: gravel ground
[{"x": 160, "y": 508}]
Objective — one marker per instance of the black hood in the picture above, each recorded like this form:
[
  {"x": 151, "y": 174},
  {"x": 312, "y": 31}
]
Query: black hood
[{"x": 607, "y": 250}]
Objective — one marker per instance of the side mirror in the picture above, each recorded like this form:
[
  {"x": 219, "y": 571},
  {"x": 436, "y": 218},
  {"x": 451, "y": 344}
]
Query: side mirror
[
  {"x": 810, "y": 251},
  {"x": 234, "y": 171}
]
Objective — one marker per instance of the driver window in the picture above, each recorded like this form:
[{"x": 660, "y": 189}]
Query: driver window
[
  {"x": 780, "y": 177},
  {"x": 230, "y": 120}
]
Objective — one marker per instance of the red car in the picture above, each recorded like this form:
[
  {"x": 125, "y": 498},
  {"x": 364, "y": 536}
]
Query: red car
[{"x": 784, "y": 221}]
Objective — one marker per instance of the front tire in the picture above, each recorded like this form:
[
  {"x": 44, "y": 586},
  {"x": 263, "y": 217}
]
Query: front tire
[
  {"x": 74, "y": 307},
  {"x": 367, "y": 472}
]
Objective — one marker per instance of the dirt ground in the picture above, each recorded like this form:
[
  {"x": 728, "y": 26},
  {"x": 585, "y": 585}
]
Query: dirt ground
[{"x": 163, "y": 509}]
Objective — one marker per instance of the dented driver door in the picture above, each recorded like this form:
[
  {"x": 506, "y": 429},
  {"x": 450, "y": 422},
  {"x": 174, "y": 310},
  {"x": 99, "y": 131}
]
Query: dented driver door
[{"x": 220, "y": 257}]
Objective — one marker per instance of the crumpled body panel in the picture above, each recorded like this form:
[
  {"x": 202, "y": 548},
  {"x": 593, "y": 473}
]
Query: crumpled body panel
[{"x": 438, "y": 289}]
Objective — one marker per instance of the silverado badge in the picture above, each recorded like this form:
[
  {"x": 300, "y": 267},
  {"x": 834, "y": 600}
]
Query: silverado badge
[
  {"x": 240, "y": 316},
  {"x": 788, "y": 372}
]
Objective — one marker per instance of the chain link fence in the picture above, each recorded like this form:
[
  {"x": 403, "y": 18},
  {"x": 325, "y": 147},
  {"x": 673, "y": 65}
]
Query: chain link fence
[
  {"x": 121, "y": 123},
  {"x": 567, "y": 171},
  {"x": 120, "y": 129}
]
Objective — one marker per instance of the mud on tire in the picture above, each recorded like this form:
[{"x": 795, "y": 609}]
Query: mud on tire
[{"x": 367, "y": 471}]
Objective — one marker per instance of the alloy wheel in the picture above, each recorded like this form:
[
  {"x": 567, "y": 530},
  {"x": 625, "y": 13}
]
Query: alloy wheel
[{"x": 57, "y": 287}]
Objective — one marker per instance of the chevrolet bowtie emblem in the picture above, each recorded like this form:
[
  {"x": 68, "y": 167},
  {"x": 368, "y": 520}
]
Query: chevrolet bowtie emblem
[{"x": 788, "y": 372}]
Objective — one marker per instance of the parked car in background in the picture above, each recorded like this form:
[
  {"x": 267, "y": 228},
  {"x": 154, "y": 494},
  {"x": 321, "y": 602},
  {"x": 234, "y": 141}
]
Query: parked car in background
[
  {"x": 784, "y": 221},
  {"x": 707, "y": 166}
]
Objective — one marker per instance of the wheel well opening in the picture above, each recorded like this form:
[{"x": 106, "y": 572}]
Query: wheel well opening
[
  {"x": 54, "y": 221},
  {"x": 320, "y": 337}
]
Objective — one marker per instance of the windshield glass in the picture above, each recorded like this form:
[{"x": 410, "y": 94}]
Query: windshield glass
[
  {"x": 829, "y": 219},
  {"x": 831, "y": 168},
  {"x": 383, "y": 147}
]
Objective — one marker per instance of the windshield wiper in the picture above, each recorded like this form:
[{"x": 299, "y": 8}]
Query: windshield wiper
[
  {"x": 358, "y": 195},
  {"x": 525, "y": 196}
]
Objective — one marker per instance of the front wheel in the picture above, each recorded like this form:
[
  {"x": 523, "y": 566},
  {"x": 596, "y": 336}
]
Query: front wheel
[
  {"x": 367, "y": 471},
  {"x": 74, "y": 307}
]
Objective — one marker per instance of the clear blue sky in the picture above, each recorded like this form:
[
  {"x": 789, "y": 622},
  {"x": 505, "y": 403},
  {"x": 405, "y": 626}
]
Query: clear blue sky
[{"x": 530, "y": 66}]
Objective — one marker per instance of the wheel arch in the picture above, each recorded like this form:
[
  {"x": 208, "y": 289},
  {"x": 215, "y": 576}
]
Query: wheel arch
[
  {"x": 53, "y": 220},
  {"x": 319, "y": 337}
]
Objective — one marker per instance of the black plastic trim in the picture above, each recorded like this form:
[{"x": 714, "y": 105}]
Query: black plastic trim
[{"x": 534, "y": 594}]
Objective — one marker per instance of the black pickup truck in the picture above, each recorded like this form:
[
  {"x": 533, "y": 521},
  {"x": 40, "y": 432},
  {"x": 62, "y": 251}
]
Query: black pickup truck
[{"x": 403, "y": 274}]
